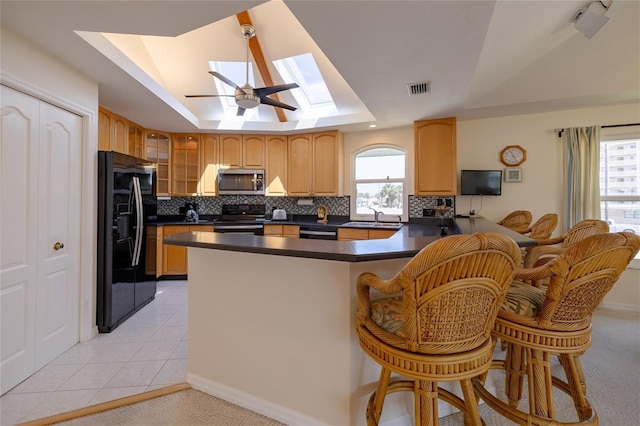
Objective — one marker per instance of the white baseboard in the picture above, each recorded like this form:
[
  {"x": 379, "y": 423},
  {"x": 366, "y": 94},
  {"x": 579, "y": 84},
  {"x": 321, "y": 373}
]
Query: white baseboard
[{"x": 251, "y": 402}]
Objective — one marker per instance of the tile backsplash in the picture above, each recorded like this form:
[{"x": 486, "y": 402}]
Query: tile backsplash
[{"x": 335, "y": 205}]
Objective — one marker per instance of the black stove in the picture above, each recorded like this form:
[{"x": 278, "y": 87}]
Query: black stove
[{"x": 241, "y": 218}]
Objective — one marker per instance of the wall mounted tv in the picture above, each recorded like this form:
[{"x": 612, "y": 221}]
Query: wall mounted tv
[{"x": 480, "y": 182}]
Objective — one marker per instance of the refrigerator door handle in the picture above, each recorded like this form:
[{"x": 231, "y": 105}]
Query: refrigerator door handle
[{"x": 139, "y": 220}]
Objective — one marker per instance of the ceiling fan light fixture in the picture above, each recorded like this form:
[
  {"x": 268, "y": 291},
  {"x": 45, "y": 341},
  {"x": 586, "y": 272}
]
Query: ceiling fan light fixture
[{"x": 246, "y": 97}]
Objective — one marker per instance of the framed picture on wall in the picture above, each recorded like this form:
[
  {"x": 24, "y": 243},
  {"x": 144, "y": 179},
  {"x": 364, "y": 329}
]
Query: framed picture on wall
[{"x": 513, "y": 174}]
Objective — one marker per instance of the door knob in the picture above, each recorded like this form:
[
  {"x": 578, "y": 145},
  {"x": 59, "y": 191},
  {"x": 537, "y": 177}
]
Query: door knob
[{"x": 58, "y": 245}]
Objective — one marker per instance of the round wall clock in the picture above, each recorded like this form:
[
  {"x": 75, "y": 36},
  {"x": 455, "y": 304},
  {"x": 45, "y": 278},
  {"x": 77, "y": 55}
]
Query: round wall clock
[{"x": 513, "y": 155}]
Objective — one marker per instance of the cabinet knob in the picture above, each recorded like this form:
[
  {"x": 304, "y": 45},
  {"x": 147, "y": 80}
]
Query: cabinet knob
[{"x": 58, "y": 245}]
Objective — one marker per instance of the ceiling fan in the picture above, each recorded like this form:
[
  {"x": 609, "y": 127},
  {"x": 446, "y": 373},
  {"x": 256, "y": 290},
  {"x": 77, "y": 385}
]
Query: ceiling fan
[{"x": 246, "y": 96}]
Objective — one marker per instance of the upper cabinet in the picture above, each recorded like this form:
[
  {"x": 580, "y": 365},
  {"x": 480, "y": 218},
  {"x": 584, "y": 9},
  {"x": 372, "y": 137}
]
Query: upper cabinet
[
  {"x": 112, "y": 132},
  {"x": 209, "y": 144},
  {"x": 315, "y": 164},
  {"x": 253, "y": 151},
  {"x": 435, "y": 164},
  {"x": 136, "y": 140},
  {"x": 156, "y": 146},
  {"x": 185, "y": 164},
  {"x": 242, "y": 151},
  {"x": 276, "y": 165}
]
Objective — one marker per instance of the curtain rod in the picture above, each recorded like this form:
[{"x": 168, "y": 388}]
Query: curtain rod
[{"x": 559, "y": 131}]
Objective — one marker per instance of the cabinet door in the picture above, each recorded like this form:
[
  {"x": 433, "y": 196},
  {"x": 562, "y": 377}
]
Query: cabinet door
[
  {"x": 276, "y": 165},
  {"x": 136, "y": 140},
  {"x": 291, "y": 231},
  {"x": 159, "y": 251},
  {"x": 274, "y": 230},
  {"x": 253, "y": 151},
  {"x": 157, "y": 150},
  {"x": 208, "y": 164},
  {"x": 299, "y": 182},
  {"x": 352, "y": 234},
  {"x": 327, "y": 153},
  {"x": 119, "y": 134},
  {"x": 104, "y": 129},
  {"x": 378, "y": 234},
  {"x": 435, "y": 166},
  {"x": 174, "y": 257},
  {"x": 231, "y": 151},
  {"x": 151, "y": 251},
  {"x": 185, "y": 164},
  {"x": 201, "y": 228}
]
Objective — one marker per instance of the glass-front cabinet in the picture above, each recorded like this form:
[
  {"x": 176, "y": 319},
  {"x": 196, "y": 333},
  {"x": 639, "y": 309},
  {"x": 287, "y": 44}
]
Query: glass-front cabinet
[{"x": 157, "y": 150}]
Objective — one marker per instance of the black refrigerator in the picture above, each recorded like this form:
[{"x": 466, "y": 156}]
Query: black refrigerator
[{"x": 127, "y": 204}]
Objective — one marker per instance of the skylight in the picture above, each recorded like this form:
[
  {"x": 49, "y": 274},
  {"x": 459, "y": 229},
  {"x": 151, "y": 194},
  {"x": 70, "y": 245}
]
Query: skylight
[{"x": 313, "y": 97}]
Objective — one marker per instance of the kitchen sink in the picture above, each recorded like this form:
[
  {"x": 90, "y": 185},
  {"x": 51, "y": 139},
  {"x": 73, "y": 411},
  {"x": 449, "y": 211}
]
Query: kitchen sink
[{"x": 390, "y": 225}]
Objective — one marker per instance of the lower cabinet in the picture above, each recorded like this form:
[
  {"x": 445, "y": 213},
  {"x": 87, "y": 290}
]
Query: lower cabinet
[
  {"x": 174, "y": 258},
  {"x": 346, "y": 234},
  {"x": 289, "y": 231}
]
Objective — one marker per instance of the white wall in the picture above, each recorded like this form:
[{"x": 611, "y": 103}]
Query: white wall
[
  {"x": 38, "y": 74},
  {"x": 479, "y": 144}
]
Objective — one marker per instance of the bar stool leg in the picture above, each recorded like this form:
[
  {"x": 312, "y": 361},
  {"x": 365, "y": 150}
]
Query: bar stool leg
[
  {"x": 471, "y": 415},
  {"x": 514, "y": 369},
  {"x": 426, "y": 402},
  {"x": 576, "y": 384},
  {"x": 374, "y": 408},
  {"x": 540, "y": 385}
]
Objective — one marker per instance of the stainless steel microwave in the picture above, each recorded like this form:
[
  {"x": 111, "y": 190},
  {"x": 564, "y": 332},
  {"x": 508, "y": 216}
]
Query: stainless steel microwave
[{"x": 241, "y": 182}]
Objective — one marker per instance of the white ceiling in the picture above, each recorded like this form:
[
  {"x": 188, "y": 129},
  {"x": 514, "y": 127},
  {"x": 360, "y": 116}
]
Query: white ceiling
[{"x": 483, "y": 58}]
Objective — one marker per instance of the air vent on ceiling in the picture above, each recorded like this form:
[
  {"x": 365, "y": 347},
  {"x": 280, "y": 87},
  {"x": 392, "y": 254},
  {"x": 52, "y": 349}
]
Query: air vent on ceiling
[{"x": 419, "y": 88}]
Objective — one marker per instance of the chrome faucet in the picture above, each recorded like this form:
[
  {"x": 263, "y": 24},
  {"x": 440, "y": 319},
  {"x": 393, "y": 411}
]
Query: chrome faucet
[{"x": 376, "y": 214}]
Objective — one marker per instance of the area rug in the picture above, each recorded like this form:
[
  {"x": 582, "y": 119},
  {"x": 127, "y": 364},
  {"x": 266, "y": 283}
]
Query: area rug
[{"x": 174, "y": 405}]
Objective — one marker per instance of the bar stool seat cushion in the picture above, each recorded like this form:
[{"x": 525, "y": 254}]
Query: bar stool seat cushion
[{"x": 524, "y": 299}]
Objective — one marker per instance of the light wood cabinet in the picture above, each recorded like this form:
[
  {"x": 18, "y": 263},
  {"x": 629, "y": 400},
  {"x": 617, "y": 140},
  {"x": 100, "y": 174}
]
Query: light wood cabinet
[
  {"x": 282, "y": 230},
  {"x": 185, "y": 164},
  {"x": 175, "y": 260},
  {"x": 435, "y": 158},
  {"x": 346, "y": 234},
  {"x": 315, "y": 164},
  {"x": 156, "y": 146},
  {"x": 159, "y": 251},
  {"x": 113, "y": 132},
  {"x": 276, "y": 165},
  {"x": 104, "y": 129},
  {"x": 136, "y": 139},
  {"x": 242, "y": 151},
  {"x": 253, "y": 151},
  {"x": 151, "y": 251},
  {"x": 208, "y": 184}
]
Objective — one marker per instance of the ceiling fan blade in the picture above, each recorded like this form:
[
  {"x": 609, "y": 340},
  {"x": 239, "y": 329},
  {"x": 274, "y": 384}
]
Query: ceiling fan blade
[
  {"x": 269, "y": 101},
  {"x": 264, "y": 91},
  {"x": 208, "y": 96},
  {"x": 226, "y": 80}
]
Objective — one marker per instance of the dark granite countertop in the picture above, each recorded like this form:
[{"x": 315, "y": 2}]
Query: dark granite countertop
[{"x": 409, "y": 239}]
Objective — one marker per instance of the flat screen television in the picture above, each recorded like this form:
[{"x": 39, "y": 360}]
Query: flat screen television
[{"x": 480, "y": 182}]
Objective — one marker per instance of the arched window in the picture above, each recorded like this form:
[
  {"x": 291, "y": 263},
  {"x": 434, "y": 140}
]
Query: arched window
[{"x": 379, "y": 183}]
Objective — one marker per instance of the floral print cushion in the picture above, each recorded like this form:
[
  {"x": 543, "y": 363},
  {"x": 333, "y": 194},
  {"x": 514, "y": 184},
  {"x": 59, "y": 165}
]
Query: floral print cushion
[
  {"x": 523, "y": 299},
  {"x": 388, "y": 314}
]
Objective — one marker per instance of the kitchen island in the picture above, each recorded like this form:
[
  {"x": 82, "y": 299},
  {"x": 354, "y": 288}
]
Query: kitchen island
[{"x": 272, "y": 320}]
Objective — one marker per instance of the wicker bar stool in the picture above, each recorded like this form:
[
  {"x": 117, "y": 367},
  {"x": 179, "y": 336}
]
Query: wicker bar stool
[
  {"x": 438, "y": 325},
  {"x": 554, "y": 246},
  {"x": 537, "y": 324},
  {"x": 518, "y": 220}
]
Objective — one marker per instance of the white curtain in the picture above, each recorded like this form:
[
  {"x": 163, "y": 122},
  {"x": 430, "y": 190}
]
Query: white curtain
[{"x": 582, "y": 174}]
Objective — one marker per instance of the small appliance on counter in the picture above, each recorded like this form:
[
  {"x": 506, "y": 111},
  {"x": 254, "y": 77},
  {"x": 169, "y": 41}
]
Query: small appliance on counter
[
  {"x": 323, "y": 215},
  {"x": 279, "y": 214},
  {"x": 191, "y": 215}
]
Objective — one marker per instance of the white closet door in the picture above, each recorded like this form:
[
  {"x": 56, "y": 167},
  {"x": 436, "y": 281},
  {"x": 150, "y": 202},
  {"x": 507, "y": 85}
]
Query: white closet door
[
  {"x": 58, "y": 291},
  {"x": 39, "y": 206},
  {"x": 18, "y": 219}
]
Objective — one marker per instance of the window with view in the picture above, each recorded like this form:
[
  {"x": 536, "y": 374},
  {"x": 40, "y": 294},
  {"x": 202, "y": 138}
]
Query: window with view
[
  {"x": 380, "y": 183},
  {"x": 620, "y": 184}
]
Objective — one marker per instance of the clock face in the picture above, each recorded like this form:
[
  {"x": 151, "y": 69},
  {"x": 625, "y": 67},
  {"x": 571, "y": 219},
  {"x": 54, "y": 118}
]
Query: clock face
[{"x": 513, "y": 155}]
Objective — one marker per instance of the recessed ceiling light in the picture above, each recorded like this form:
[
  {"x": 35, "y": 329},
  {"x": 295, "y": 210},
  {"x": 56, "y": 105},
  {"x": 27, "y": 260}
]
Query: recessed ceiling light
[{"x": 372, "y": 125}]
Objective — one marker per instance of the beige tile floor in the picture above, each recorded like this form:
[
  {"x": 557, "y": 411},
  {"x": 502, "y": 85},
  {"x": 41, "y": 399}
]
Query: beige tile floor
[{"x": 146, "y": 352}]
